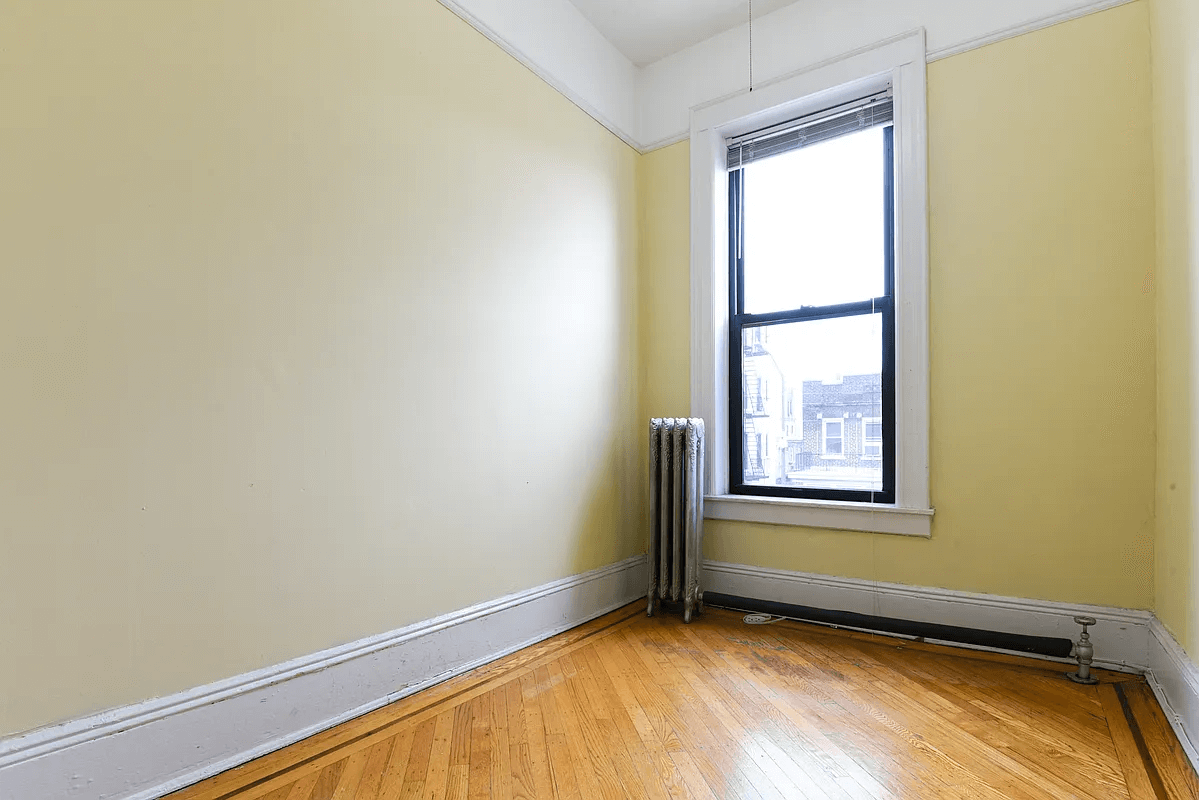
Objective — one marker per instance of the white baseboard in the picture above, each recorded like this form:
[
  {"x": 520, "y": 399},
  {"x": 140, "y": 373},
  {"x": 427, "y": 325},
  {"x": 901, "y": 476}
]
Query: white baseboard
[
  {"x": 151, "y": 748},
  {"x": 1174, "y": 679},
  {"x": 1121, "y": 636}
]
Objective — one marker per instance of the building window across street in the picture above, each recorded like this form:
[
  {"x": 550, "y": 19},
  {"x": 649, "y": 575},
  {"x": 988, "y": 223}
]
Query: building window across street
[
  {"x": 834, "y": 438},
  {"x": 811, "y": 305},
  {"x": 872, "y": 437}
]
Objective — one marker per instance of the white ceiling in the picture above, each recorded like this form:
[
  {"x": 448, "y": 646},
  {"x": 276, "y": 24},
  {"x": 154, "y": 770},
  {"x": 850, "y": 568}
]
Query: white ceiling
[{"x": 647, "y": 30}]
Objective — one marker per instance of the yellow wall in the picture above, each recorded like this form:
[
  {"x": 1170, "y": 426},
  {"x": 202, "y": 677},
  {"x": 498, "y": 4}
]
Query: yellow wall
[
  {"x": 666, "y": 272},
  {"x": 1042, "y": 327},
  {"x": 1176, "y": 124},
  {"x": 297, "y": 304},
  {"x": 313, "y": 322}
]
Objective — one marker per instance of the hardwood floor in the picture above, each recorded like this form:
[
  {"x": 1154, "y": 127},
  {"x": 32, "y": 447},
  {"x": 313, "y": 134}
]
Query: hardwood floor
[{"x": 628, "y": 706}]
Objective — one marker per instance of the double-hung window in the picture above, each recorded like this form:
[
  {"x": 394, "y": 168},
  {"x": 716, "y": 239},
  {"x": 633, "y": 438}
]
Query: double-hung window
[
  {"x": 811, "y": 305},
  {"x": 809, "y": 295}
]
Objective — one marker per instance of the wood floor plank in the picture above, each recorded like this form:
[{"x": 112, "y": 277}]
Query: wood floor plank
[
  {"x": 438, "y": 775},
  {"x": 501, "y": 751},
  {"x": 788, "y": 730},
  {"x": 635, "y": 772},
  {"x": 563, "y": 755},
  {"x": 640, "y": 734},
  {"x": 1009, "y": 745},
  {"x": 853, "y": 686},
  {"x": 302, "y": 789},
  {"x": 351, "y": 775},
  {"x": 1177, "y": 776},
  {"x": 674, "y": 732},
  {"x": 377, "y": 757},
  {"x": 987, "y": 705},
  {"x": 782, "y": 771},
  {"x": 728, "y": 770},
  {"x": 596, "y": 771},
  {"x": 397, "y": 763},
  {"x": 636, "y": 707},
  {"x": 985, "y": 757},
  {"x": 458, "y": 783},
  {"x": 793, "y": 687},
  {"x": 370, "y": 728},
  {"x": 480, "y": 750},
  {"x": 659, "y": 780},
  {"x": 520, "y": 764},
  {"x": 586, "y": 682},
  {"x": 1090, "y": 768},
  {"x": 279, "y": 794},
  {"x": 944, "y": 769},
  {"x": 413, "y": 790},
  {"x": 413, "y": 784},
  {"x": 524, "y": 706},
  {"x": 1136, "y": 777},
  {"x": 460, "y": 740},
  {"x": 326, "y": 781},
  {"x": 421, "y": 751},
  {"x": 696, "y": 785}
]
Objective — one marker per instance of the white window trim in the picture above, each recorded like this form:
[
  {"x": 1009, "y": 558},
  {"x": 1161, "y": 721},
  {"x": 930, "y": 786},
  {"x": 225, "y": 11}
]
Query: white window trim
[
  {"x": 901, "y": 62},
  {"x": 824, "y": 421}
]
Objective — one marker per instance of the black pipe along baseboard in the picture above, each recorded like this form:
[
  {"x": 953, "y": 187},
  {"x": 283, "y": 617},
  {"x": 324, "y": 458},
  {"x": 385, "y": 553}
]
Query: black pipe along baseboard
[{"x": 1017, "y": 642}]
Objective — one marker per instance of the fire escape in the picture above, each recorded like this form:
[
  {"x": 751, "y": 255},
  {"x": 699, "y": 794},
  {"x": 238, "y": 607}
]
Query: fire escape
[{"x": 753, "y": 405}]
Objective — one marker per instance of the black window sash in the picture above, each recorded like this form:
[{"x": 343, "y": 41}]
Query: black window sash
[{"x": 739, "y": 321}]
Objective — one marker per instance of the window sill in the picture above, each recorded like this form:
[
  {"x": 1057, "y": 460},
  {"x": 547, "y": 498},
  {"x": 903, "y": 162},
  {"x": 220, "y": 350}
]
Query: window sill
[{"x": 821, "y": 514}]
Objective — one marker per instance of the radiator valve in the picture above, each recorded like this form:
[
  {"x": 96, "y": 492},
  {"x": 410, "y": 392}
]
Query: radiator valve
[{"x": 1084, "y": 651}]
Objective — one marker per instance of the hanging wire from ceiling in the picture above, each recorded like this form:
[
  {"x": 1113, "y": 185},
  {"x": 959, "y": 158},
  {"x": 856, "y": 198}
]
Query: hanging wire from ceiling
[{"x": 751, "y": 45}]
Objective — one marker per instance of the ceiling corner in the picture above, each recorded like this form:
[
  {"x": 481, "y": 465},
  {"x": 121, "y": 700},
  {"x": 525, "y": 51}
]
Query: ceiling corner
[{"x": 554, "y": 40}]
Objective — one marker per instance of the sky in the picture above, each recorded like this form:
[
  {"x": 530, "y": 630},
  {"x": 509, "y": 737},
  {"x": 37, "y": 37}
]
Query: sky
[{"x": 814, "y": 236}]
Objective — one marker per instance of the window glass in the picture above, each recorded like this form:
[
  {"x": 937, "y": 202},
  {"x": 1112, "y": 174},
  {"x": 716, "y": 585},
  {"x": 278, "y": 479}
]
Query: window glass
[
  {"x": 828, "y": 368},
  {"x": 814, "y": 225},
  {"x": 811, "y": 249},
  {"x": 872, "y": 438}
]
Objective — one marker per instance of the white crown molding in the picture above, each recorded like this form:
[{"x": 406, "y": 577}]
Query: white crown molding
[
  {"x": 795, "y": 38},
  {"x": 148, "y": 749},
  {"x": 650, "y": 107},
  {"x": 1032, "y": 25}
]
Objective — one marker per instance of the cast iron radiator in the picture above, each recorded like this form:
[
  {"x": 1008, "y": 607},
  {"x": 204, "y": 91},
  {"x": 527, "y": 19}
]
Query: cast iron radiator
[{"x": 676, "y": 510}]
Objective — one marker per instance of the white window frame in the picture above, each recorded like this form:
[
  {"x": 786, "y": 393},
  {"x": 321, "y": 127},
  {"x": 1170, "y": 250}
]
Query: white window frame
[
  {"x": 824, "y": 453},
  {"x": 899, "y": 62},
  {"x": 865, "y": 422}
]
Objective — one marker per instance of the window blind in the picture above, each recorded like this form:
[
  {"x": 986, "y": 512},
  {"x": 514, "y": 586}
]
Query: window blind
[{"x": 860, "y": 114}]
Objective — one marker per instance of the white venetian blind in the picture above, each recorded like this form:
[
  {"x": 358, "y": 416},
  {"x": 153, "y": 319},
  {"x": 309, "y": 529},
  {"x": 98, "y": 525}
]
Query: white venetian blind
[{"x": 860, "y": 114}]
